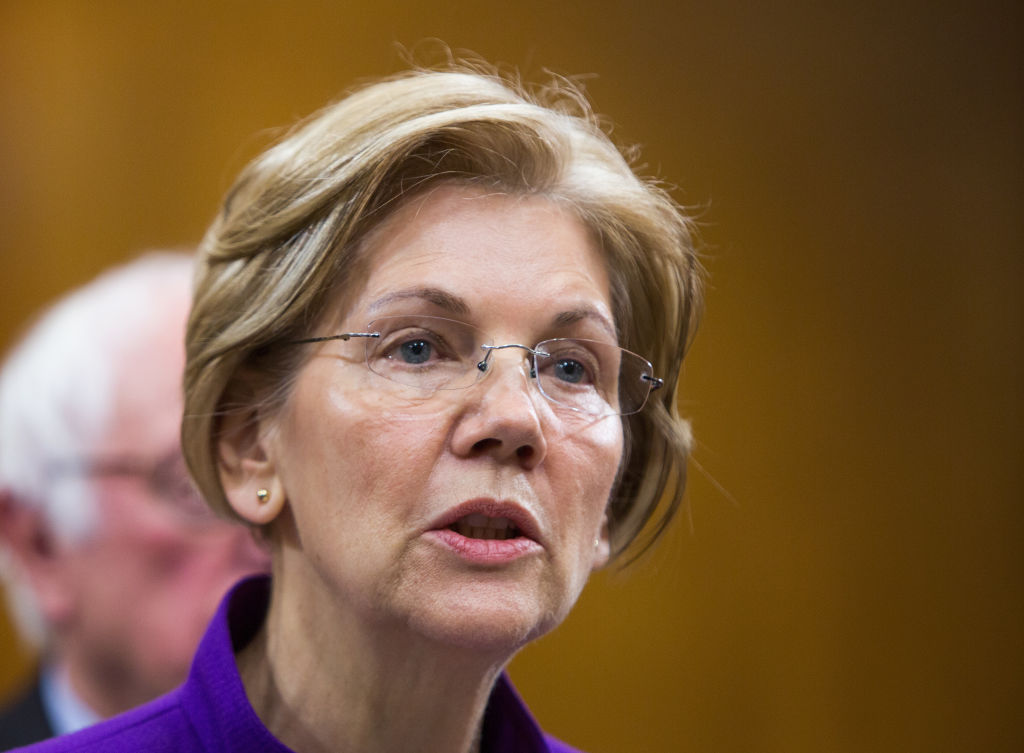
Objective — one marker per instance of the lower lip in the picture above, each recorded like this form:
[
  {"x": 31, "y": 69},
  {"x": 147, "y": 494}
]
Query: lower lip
[{"x": 485, "y": 551}]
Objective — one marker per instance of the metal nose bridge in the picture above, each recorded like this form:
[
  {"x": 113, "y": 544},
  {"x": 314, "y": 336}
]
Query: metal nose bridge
[{"x": 483, "y": 364}]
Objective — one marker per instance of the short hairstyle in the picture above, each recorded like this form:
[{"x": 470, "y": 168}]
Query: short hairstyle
[
  {"x": 58, "y": 387},
  {"x": 287, "y": 240}
]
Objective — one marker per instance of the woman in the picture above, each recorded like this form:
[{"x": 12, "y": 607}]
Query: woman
[{"x": 418, "y": 365}]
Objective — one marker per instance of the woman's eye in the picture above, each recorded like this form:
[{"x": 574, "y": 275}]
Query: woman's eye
[
  {"x": 570, "y": 370},
  {"x": 415, "y": 351},
  {"x": 570, "y": 364}
]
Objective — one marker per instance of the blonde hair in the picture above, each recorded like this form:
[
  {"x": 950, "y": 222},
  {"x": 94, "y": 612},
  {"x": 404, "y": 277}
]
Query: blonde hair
[{"x": 288, "y": 234}]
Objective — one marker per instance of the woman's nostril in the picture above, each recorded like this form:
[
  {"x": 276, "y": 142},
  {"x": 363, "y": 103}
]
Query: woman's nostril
[{"x": 486, "y": 444}]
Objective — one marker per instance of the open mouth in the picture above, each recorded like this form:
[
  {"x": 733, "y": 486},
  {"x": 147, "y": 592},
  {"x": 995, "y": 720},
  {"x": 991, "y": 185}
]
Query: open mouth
[
  {"x": 488, "y": 532},
  {"x": 480, "y": 526}
]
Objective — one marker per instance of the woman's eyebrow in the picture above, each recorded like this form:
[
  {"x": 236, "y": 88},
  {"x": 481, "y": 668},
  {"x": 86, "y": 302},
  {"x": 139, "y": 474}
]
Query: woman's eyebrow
[
  {"x": 451, "y": 303},
  {"x": 454, "y": 304},
  {"x": 572, "y": 316}
]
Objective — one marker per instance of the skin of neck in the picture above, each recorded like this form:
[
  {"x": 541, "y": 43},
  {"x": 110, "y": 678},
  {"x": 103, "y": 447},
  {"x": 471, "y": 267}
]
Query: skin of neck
[{"x": 322, "y": 679}]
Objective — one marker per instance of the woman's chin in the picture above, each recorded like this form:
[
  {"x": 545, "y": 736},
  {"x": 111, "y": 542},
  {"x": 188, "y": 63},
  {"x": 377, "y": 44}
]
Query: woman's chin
[
  {"x": 494, "y": 627},
  {"x": 495, "y": 610}
]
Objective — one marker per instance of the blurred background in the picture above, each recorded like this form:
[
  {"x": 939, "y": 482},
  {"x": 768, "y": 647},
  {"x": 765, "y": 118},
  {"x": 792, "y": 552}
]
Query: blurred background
[{"x": 849, "y": 575}]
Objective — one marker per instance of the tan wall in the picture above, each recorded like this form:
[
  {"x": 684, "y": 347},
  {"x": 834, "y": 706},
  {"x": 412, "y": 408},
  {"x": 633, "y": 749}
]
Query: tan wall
[{"x": 850, "y": 580}]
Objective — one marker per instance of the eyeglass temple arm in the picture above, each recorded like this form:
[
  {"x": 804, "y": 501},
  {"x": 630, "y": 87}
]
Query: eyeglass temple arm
[
  {"x": 656, "y": 383},
  {"x": 343, "y": 336}
]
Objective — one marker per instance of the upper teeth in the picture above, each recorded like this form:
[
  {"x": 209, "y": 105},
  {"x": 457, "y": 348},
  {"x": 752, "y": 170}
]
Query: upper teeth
[{"x": 479, "y": 526}]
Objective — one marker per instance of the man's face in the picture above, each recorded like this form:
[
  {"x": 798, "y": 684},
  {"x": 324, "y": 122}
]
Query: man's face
[{"x": 143, "y": 585}]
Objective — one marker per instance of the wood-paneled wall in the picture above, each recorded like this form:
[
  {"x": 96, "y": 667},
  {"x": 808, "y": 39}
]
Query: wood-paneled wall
[{"x": 849, "y": 578}]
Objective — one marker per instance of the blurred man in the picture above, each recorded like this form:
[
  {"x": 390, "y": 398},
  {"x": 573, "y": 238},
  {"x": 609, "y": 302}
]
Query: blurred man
[{"x": 113, "y": 563}]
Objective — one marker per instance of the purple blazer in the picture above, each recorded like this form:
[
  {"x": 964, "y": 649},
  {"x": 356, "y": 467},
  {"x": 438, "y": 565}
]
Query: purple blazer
[{"x": 210, "y": 712}]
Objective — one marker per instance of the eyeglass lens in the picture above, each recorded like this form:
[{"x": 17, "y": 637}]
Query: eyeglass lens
[{"x": 434, "y": 353}]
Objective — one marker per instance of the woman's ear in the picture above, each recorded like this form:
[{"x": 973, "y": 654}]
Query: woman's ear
[
  {"x": 602, "y": 546},
  {"x": 248, "y": 472}
]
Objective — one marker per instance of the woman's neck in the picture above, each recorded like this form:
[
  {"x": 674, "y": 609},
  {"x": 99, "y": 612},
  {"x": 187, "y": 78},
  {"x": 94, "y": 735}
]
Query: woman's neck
[{"x": 327, "y": 681}]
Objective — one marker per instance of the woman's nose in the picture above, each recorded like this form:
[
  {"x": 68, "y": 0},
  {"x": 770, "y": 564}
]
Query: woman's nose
[{"x": 500, "y": 418}]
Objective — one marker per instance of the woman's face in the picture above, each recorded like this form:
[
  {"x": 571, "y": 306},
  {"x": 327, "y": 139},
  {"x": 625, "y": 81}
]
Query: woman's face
[{"x": 471, "y": 516}]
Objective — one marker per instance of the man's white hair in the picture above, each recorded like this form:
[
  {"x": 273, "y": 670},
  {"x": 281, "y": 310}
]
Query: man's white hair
[{"x": 58, "y": 395}]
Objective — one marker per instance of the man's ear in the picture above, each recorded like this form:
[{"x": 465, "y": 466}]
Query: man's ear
[
  {"x": 39, "y": 556},
  {"x": 246, "y": 463},
  {"x": 602, "y": 546}
]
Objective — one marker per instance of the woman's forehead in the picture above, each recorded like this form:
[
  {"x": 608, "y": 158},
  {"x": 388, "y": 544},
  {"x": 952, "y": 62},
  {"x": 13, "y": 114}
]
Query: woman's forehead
[{"x": 459, "y": 250}]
